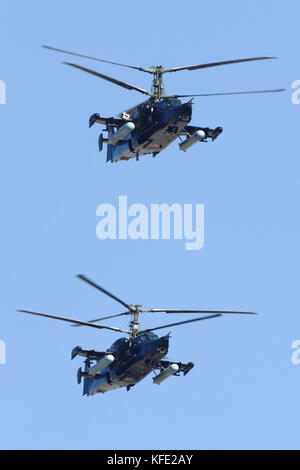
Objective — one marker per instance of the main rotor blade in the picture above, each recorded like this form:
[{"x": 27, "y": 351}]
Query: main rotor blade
[
  {"x": 110, "y": 79},
  {"x": 180, "y": 323},
  {"x": 175, "y": 310},
  {"x": 72, "y": 320},
  {"x": 92, "y": 283},
  {"x": 142, "y": 69},
  {"x": 105, "y": 318},
  {"x": 215, "y": 64},
  {"x": 232, "y": 93}
]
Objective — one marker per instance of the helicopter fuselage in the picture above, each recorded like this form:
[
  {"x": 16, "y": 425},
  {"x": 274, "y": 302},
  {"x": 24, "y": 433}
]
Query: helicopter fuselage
[
  {"x": 149, "y": 128},
  {"x": 157, "y": 125},
  {"x": 134, "y": 359}
]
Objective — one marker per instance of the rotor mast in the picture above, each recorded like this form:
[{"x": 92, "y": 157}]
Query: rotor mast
[
  {"x": 134, "y": 323},
  {"x": 157, "y": 88}
]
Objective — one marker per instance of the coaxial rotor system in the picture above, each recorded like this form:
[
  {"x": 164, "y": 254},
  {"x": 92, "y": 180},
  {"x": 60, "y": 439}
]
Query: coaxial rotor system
[
  {"x": 134, "y": 311},
  {"x": 157, "y": 90}
]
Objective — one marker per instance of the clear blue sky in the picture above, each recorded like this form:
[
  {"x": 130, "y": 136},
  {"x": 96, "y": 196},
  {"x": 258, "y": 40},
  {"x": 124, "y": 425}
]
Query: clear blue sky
[{"x": 244, "y": 389}]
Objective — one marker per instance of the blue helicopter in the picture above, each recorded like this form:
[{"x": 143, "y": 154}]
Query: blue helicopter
[
  {"x": 152, "y": 125},
  {"x": 130, "y": 360}
]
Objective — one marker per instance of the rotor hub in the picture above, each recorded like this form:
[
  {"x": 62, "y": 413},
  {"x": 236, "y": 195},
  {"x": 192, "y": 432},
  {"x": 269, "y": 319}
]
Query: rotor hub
[{"x": 134, "y": 324}]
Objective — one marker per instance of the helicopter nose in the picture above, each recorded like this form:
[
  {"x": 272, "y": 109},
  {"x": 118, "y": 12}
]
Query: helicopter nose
[
  {"x": 186, "y": 111},
  {"x": 163, "y": 343}
]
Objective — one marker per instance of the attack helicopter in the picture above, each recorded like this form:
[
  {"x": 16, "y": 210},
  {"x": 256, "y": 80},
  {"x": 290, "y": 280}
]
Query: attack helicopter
[
  {"x": 152, "y": 125},
  {"x": 129, "y": 360}
]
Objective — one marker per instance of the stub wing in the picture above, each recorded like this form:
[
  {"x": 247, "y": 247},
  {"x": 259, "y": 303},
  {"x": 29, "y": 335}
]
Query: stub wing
[
  {"x": 90, "y": 354},
  {"x": 108, "y": 121},
  {"x": 209, "y": 133},
  {"x": 185, "y": 368}
]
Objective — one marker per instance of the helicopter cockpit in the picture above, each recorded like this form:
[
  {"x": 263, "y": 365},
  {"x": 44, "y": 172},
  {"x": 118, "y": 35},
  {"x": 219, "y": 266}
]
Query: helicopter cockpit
[
  {"x": 119, "y": 346},
  {"x": 146, "y": 337},
  {"x": 168, "y": 103}
]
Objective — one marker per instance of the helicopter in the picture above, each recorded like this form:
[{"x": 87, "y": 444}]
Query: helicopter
[
  {"x": 149, "y": 127},
  {"x": 130, "y": 360}
]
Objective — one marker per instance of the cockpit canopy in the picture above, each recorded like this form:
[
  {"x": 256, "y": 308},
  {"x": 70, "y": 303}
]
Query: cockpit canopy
[
  {"x": 119, "y": 344},
  {"x": 145, "y": 337},
  {"x": 168, "y": 103},
  {"x": 122, "y": 343}
]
